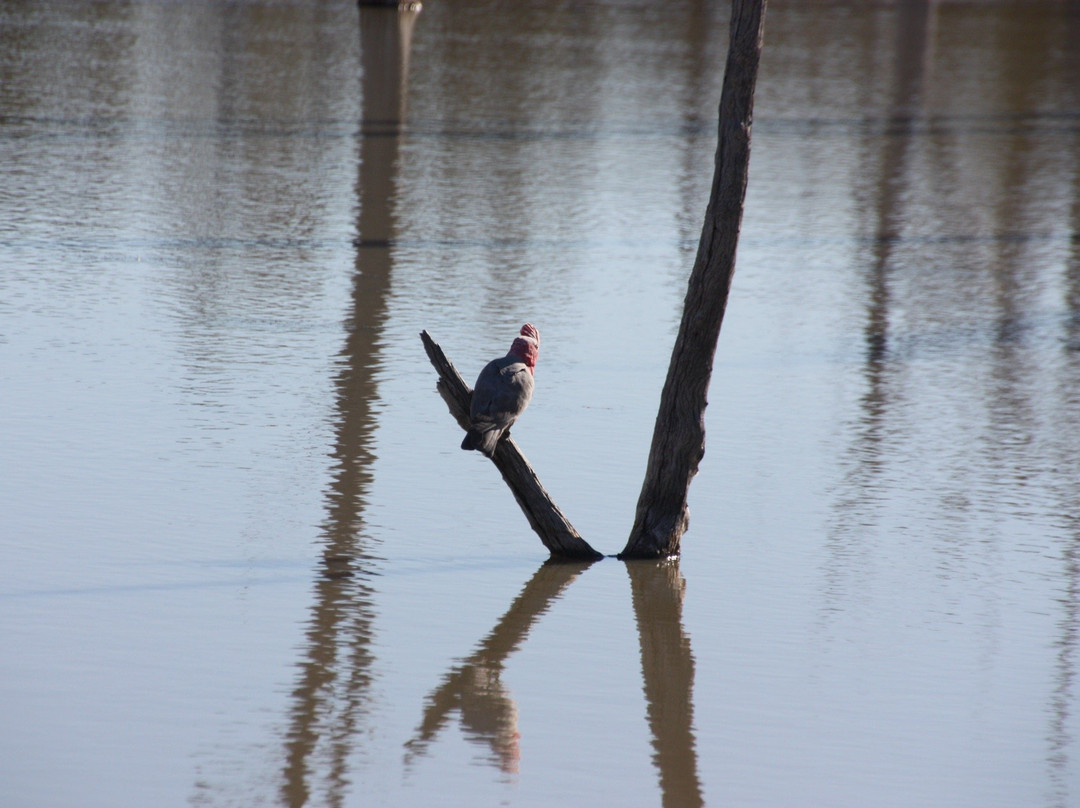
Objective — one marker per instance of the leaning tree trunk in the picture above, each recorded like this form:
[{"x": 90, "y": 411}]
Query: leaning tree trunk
[{"x": 678, "y": 442}]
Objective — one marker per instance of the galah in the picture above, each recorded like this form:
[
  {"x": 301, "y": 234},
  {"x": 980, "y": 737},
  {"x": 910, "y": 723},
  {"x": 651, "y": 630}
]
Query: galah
[{"x": 502, "y": 392}]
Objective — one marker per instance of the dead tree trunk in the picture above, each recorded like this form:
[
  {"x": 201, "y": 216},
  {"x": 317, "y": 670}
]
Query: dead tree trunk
[
  {"x": 678, "y": 442},
  {"x": 550, "y": 524}
]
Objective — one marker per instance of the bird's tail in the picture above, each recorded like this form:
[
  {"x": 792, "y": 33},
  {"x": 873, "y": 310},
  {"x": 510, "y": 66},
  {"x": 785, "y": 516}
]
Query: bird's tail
[{"x": 481, "y": 441}]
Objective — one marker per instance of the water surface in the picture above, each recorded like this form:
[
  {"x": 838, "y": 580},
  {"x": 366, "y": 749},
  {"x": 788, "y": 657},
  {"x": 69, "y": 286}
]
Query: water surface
[{"x": 244, "y": 561}]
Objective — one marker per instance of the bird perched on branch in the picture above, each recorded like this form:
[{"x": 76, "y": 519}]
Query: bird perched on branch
[{"x": 502, "y": 392}]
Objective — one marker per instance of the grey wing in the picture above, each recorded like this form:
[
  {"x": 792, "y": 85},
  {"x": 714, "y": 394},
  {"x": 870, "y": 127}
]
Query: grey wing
[
  {"x": 515, "y": 392},
  {"x": 502, "y": 393}
]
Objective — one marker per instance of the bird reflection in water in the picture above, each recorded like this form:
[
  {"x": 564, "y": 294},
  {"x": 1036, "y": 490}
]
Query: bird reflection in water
[{"x": 489, "y": 715}]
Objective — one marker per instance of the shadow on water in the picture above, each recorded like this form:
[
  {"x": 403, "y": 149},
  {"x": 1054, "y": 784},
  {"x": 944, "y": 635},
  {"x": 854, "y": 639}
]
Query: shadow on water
[
  {"x": 487, "y": 710},
  {"x": 335, "y": 675}
]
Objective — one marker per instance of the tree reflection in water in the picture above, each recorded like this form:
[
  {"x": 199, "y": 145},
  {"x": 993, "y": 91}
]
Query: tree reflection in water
[
  {"x": 487, "y": 711},
  {"x": 667, "y": 667},
  {"x": 489, "y": 715},
  {"x": 335, "y": 677}
]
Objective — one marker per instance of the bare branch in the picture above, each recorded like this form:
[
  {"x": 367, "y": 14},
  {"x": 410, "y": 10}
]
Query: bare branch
[{"x": 544, "y": 516}]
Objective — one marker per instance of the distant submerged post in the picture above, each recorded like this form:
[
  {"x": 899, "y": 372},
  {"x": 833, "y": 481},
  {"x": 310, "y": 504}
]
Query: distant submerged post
[
  {"x": 405, "y": 5},
  {"x": 678, "y": 442}
]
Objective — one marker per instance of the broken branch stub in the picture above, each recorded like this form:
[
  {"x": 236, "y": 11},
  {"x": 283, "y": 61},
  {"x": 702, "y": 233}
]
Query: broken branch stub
[{"x": 550, "y": 524}]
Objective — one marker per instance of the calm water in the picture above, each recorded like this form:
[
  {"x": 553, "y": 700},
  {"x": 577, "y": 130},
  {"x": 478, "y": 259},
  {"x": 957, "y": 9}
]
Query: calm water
[{"x": 243, "y": 560}]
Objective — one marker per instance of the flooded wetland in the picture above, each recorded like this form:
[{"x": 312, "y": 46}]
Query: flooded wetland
[{"x": 244, "y": 560}]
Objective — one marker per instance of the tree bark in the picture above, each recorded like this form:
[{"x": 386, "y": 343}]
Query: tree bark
[
  {"x": 550, "y": 524},
  {"x": 678, "y": 442}
]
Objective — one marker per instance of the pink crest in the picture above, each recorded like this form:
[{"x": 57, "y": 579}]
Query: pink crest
[{"x": 530, "y": 330}]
